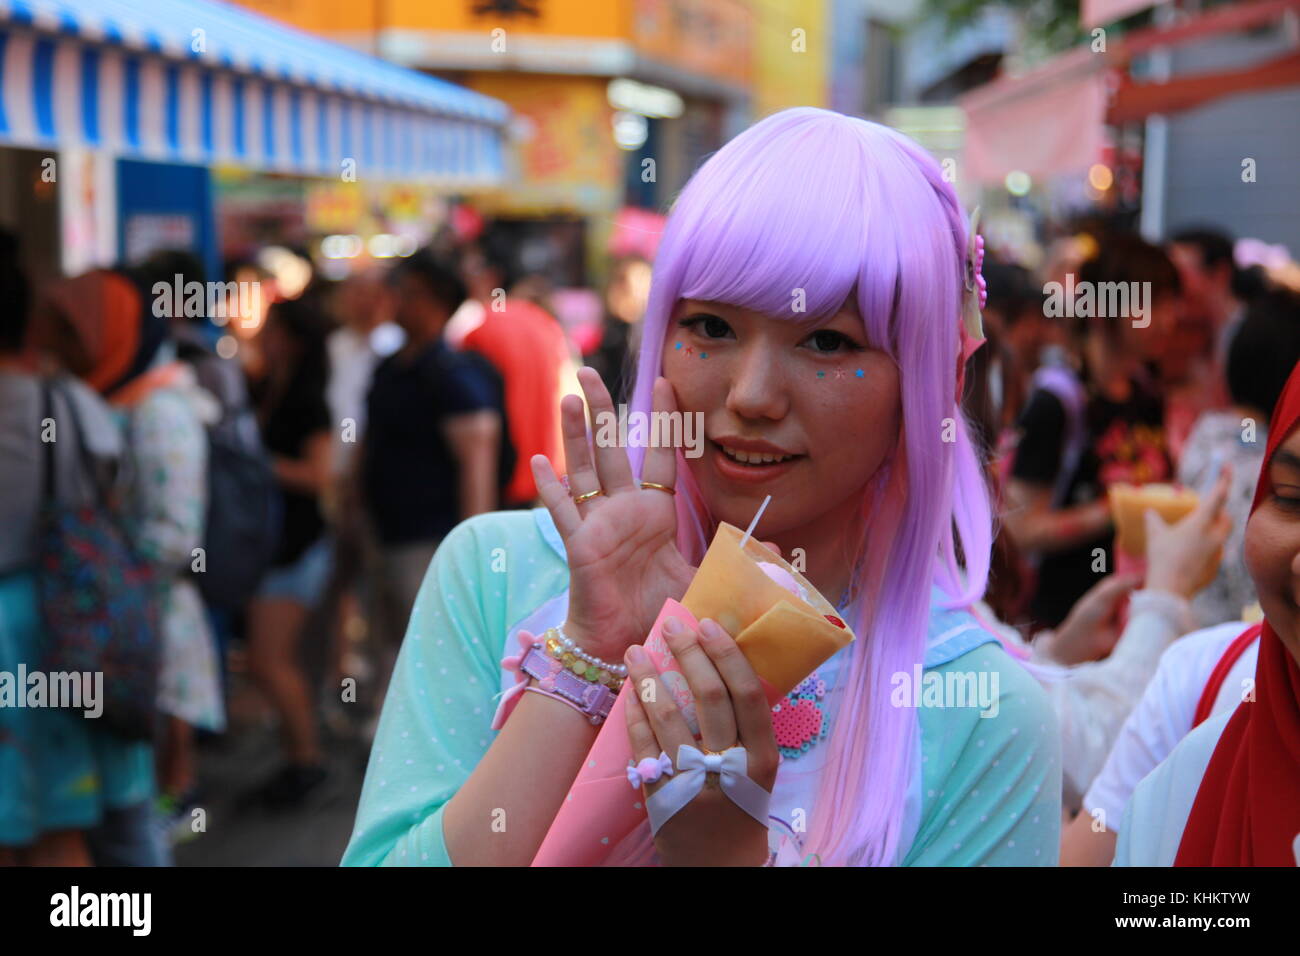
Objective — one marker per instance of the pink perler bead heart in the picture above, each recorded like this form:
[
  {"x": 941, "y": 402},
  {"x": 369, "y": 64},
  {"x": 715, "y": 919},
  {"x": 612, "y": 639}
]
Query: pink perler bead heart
[{"x": 796, "y": 723}]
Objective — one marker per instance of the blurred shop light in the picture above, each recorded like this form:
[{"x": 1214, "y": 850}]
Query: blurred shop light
[
  {"x": 341, "y": 247},
  {"x": 290, "y": 271},
  {"x": 630, "y": 130},
  {"x": 227, "y": 346},
  {"x": 646, "y": 100},
  {"x": 1100, "y": 177},
  {"x": 383, "y": 245},
  {"x": 1018, "y": 183}
]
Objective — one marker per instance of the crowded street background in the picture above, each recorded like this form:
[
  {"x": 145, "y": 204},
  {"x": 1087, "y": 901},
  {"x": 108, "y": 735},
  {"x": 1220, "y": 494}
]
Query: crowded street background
[{"x": 289, "y": 290}]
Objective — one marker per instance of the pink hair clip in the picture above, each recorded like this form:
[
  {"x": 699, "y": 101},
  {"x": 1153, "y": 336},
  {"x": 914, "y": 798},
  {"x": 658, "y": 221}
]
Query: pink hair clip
[
  {"x": 649, "y": 770},
  {"x": 977, "y": 290},
  {"x": 971, "y": 327},
  {"x": 979, "y": 272}
]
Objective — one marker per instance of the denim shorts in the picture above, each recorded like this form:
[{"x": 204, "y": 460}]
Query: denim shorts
[{"x": 303, "y": 581}]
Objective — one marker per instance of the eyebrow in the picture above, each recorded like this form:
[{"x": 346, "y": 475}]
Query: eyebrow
[{"x": 805, "y": 322}]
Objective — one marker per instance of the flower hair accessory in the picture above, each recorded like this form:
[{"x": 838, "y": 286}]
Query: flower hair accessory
[
  {"x": 973, "y": 302},
  {"x": 977, "y": 290}
]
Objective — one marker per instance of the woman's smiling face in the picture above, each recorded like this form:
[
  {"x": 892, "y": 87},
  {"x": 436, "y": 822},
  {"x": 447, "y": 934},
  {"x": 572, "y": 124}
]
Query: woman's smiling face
[
  {"x": 1272, "y": 545},
  {"x": 768, "y": 387}
]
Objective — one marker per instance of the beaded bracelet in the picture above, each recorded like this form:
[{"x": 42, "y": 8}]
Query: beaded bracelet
[
  {"x": 562, "y": 648},
  {"x": 591, "y": 698}
]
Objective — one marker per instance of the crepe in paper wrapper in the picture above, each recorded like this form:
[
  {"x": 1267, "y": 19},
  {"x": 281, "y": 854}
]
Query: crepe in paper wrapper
[
  {"x": 1128, "y": 504},
  {"x": 785, "y": 629}
]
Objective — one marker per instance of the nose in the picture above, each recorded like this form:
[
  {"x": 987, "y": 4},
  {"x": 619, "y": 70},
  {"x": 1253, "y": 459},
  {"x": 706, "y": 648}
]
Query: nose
[{"x": 758, "y": 387}]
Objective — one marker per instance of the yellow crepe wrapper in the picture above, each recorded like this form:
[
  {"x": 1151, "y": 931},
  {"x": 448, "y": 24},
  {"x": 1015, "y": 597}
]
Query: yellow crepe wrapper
[
  {"x": 784, "y": 637},
  {"x": 1128, "y": 504}
]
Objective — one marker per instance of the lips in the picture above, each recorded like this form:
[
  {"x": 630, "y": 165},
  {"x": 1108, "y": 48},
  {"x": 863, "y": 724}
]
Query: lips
[
  {"x": 753, "y": 457},
  {"x": 754, "y": 469},
  {"x": 752, "y": 450}
]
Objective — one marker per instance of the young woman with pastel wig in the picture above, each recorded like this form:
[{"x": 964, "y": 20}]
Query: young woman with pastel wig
[{"x": 808, "y": 301}]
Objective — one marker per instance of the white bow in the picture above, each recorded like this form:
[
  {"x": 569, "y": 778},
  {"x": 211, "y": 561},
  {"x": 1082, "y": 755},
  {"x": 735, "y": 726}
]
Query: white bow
[
  {"x": 692, "y": 765},
  {"x": 731, "y": 761}
]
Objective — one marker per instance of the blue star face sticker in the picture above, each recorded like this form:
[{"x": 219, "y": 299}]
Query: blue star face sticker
[
  {"x": 704, "y": 355},
  {"x": 821, "y": 374},
  {"x": 858, "y": 373},
  {"x": 679, "y": 345}
]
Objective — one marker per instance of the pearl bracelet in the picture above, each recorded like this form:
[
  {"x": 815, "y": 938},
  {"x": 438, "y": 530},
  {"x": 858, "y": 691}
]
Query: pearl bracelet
[{"x": 561, "y": 647}]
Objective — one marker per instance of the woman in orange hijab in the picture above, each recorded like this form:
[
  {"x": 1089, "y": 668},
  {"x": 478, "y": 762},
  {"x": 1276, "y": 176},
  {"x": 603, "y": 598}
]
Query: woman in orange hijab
[
  {"x": 102, "y": 329},
  {"x": 66, "y": 783},
  {"x": 1229, "y": 794}
]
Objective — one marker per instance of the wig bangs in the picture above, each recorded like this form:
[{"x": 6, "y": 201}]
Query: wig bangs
[{"x": 773, "y": 228}]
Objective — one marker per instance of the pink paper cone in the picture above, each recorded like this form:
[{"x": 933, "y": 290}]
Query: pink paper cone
[{"x": 602, "y": 808}]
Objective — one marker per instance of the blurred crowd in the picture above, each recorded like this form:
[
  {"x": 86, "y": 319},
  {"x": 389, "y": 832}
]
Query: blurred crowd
[
  {"x": 300, "y": 459},
  {"x": 281, "y": 455},
  {"x": 1072, "y": 405}
]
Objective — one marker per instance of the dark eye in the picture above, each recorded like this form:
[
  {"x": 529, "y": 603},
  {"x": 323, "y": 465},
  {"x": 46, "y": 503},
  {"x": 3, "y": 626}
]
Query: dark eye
[
  {"x": 1289, "y": 501},
  {"x": 709, "y": 326},
  {"x": 830, "y": 341}
]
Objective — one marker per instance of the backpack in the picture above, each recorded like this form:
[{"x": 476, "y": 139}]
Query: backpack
[
  {"x": 244, "y": 508},
  {"x": 100, "y": 602}
]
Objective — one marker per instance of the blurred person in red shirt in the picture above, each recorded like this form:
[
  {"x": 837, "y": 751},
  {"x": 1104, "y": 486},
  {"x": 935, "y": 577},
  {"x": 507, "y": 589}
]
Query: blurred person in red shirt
[{"x": 528, "y": 347}]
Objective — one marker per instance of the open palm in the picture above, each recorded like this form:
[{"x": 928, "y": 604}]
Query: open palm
[{"x": 622, "y": 544}]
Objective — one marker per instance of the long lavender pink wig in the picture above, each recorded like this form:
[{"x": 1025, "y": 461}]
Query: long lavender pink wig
[{"x": 814, "y": 200}]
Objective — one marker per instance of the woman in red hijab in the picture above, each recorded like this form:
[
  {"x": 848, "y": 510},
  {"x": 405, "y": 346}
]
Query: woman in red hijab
[{"x": 1229, "y": 794}]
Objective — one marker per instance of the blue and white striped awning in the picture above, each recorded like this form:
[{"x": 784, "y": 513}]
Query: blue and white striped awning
[{"x": 198, "y": 81}]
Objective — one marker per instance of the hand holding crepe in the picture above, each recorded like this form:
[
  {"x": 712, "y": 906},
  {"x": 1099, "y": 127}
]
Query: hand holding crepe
[
  {"x": 785, "y": 629},
  {"x": 1182, "y": 535},
  {"x": 1129, "y": 503}
]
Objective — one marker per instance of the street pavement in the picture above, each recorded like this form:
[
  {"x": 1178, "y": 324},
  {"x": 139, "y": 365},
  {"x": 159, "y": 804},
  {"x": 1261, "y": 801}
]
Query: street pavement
[{"x": 239, "y": 831}]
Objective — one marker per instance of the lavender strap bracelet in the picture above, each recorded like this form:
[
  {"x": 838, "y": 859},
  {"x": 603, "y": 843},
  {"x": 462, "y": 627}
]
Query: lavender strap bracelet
[{"x": 593, "y": 700}]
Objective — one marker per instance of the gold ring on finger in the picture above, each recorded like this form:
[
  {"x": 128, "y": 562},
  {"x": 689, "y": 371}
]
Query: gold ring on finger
[
  {"x": 588, "y": 496},
  {"x": 658, "y": 487}
]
